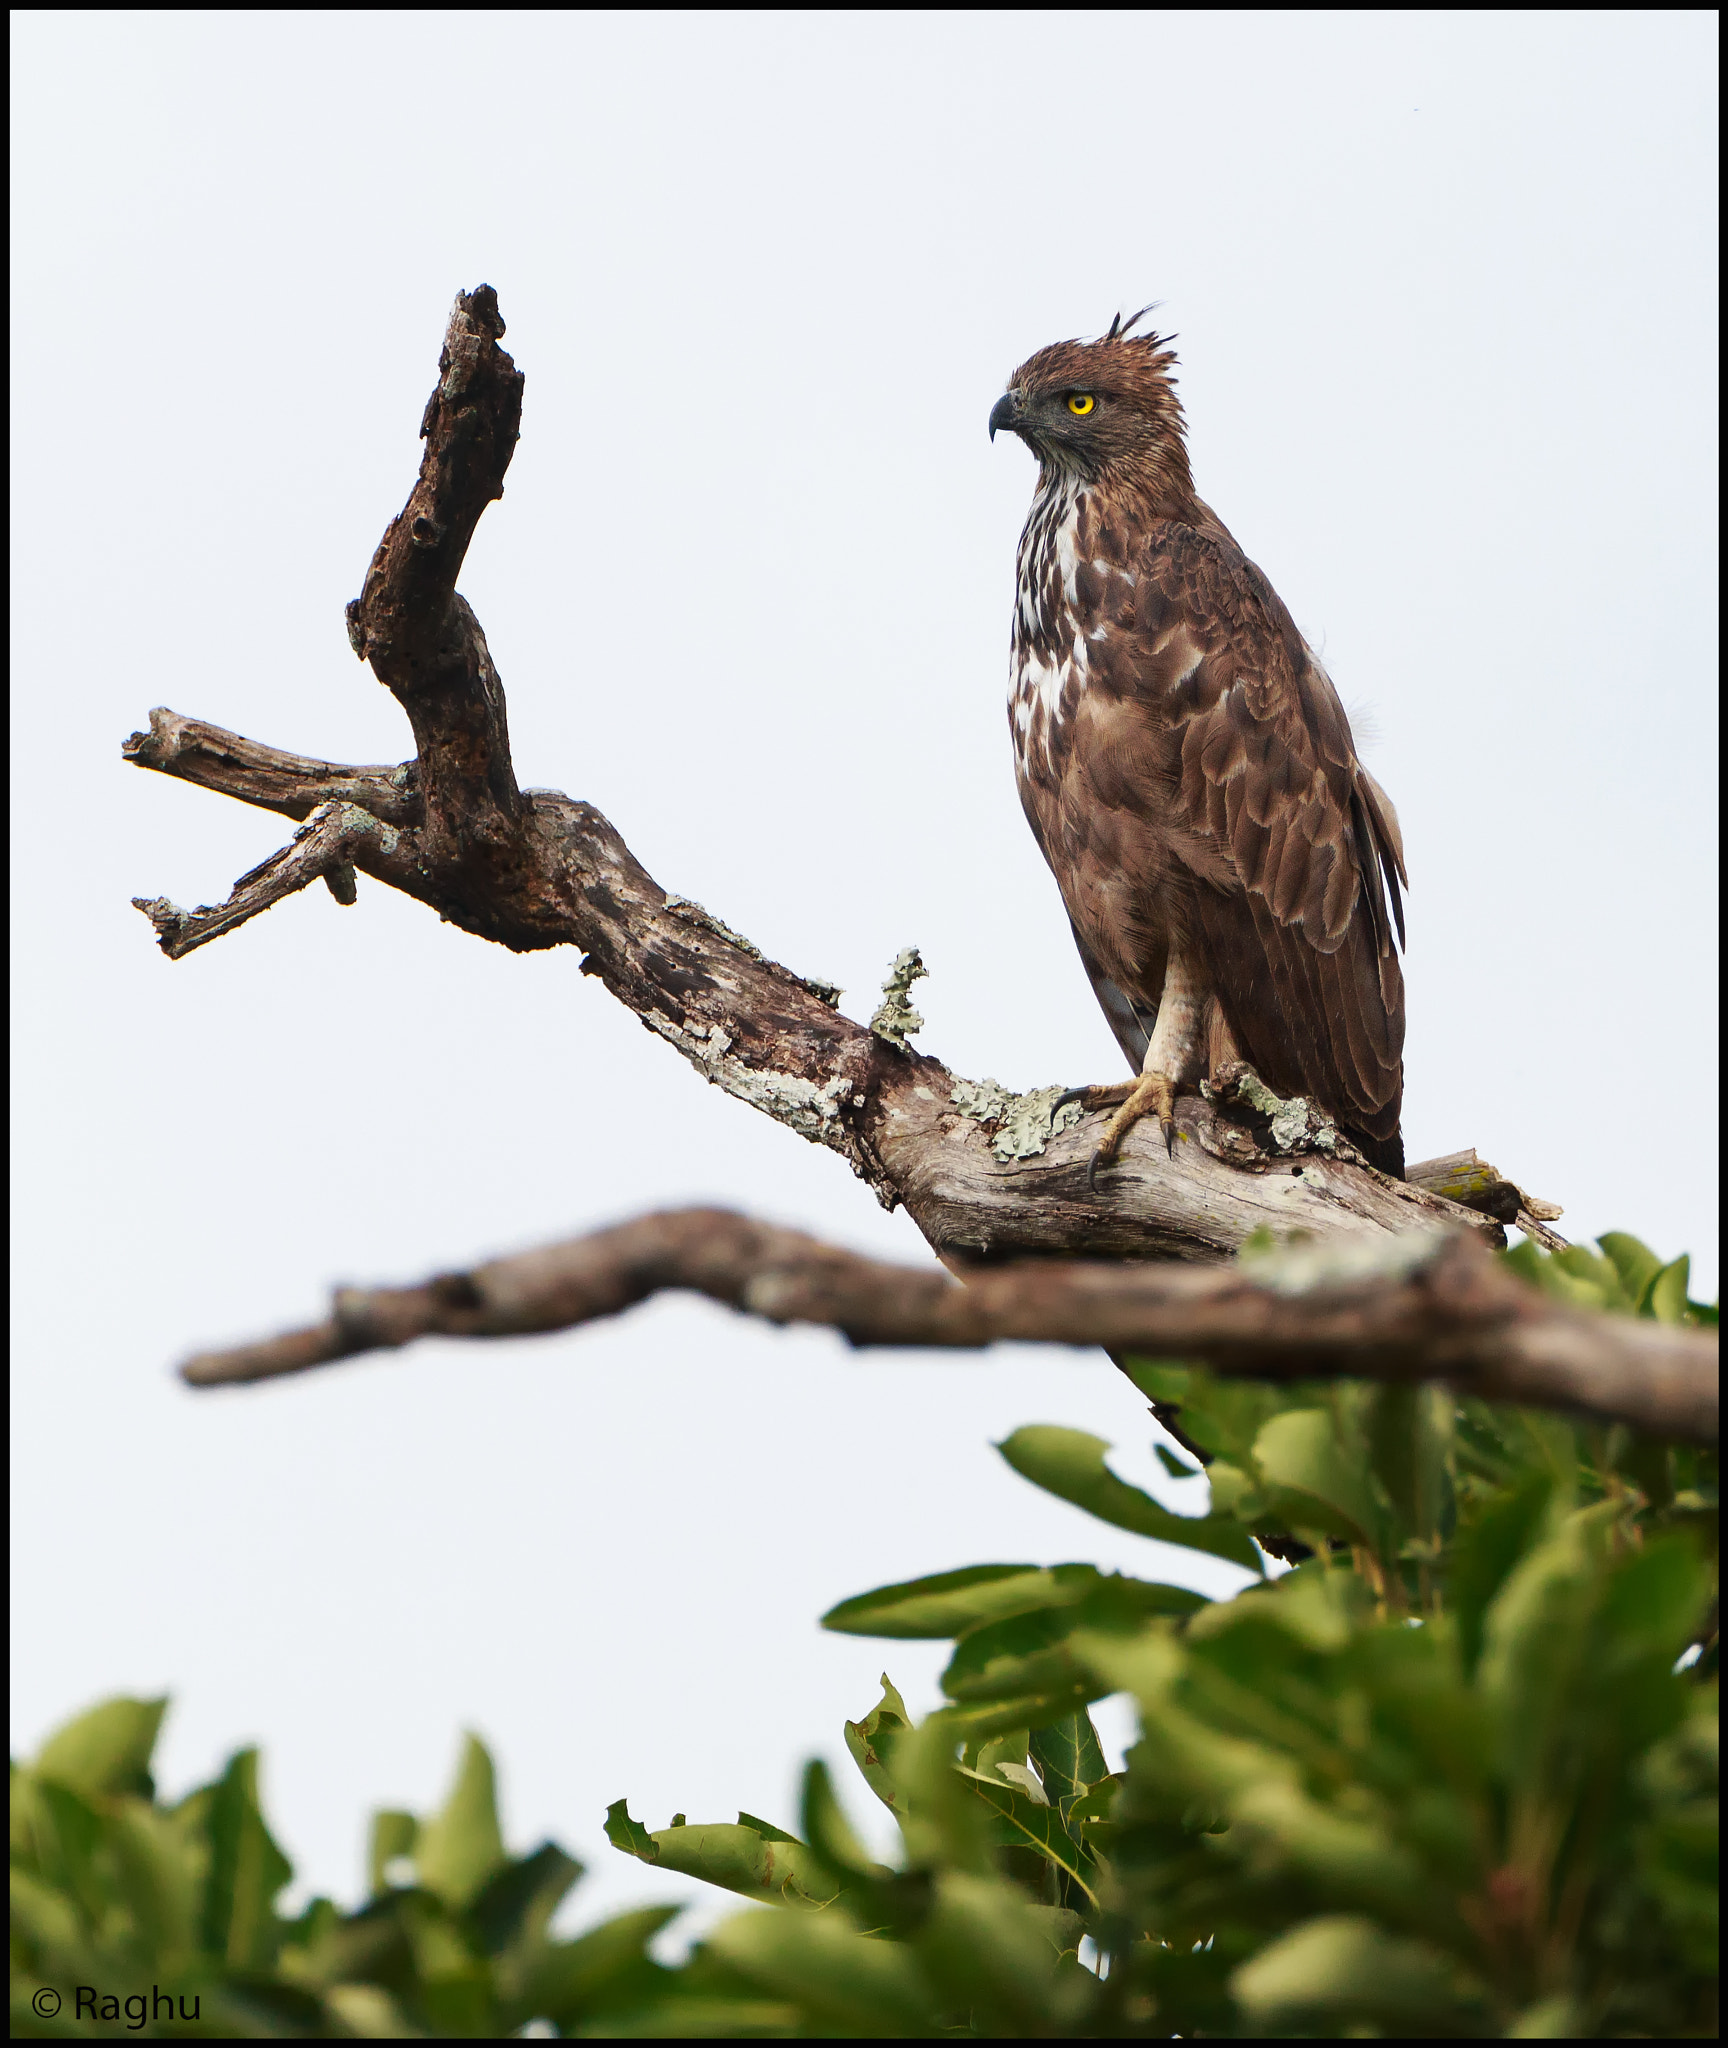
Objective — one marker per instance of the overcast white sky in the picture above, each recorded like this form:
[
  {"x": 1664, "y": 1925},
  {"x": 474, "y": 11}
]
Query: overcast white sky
[{"x": 1444, "y": 288}]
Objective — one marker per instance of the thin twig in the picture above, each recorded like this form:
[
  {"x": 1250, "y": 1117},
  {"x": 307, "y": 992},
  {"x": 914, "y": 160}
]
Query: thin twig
[
  {"x": 327, "y": 847},
  {"x": 293, "y": 785}
]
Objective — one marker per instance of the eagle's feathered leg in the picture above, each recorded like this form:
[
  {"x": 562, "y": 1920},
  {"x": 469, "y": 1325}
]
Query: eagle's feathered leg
[{"x": 1176, "y": 1057}]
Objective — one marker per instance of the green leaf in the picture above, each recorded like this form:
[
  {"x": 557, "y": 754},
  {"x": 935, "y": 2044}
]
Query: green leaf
[
  {"x": 601, "y": 1970},
  {"x": 687, "y": 2013},
  {"x": 1654, "y": 1599},
  {"x": 454, "y": 1986},
  {"x": 942, "y": 1824},
  {"x": 1679, "y": 1778},
  {"x": 106, "y": 1750},
  {"x": 1331, "y": 1854},
  {"x": 976, "y": 1721},
  {"x": 361, "y": 2011},
  {"x": 872, "y": 1742},
  {"x": 1497, "y": 1448},
  {"x": 1097, "y": 1806},
  {"x": 1311, "y": 1606},
  {"x": 627, "y": 1834},
  {"x": 1583, "y": 1277},
  {"x": 765, "y": 1828},
  {"x": 1222, "y": 1415},
  {"x": 1009, "y": 1747},
  {"x": 1023, "y": 1656},
  {"x": 62, "y": 1836},
  {"x": 516, "y": 1903},
  {"x": 827, "y": 1829},
  {"x": 996, "y": 1960},
  {"x": 1235, "y": 1494},
  {"x": 1649, "y": 1464},
  {"x": 1178, "y": 1468},
  {"x": 246, "y": 1871},
  {"x": 845, "y": 1982},
  {"x": 45, "y": 1919},
  {"x": 461, "y": 1846},
  {"x": 738, "y": 1859},
  {"x": 1147, "y": 1665},
  {"x": 1593, "y": 1282},
  {"x": 1559, "y": 2018},
  {"x": 1160, "y": 1379},
  {"x": 1027, "y": 1823},
  {"x": 949, "y": 1603},
  {"x": 1487, "y": 1552},
  {"x": 394, "y": 1834},
  {"x": 1635, "y": 1265},
  {"x": 1316, "y": 1485},
  {"x": 1537, "y": 1640},
  {"x": 1070, "y": 1758},
  {"x": 1341, "y": 1973},
  {"x": 1070, "y": 1464},
  {"x": 1410, "y": 1432},
  {"x": 155, "y": 1878},
  {"x": 1666, "y": 1300},
  {"x": 1526, "y": 1259}
]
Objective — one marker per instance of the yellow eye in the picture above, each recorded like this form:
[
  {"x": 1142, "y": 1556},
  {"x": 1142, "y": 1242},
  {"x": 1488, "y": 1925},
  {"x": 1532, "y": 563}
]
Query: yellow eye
[{"x": 1080, "y": 403}]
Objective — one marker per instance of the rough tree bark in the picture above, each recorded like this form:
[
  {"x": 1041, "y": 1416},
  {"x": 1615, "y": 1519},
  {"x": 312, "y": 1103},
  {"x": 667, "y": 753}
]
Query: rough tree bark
[{"x": 984, "y": 1175}]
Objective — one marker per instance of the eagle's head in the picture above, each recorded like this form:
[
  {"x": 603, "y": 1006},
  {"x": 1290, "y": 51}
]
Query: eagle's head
[{"x": 1105, "y": 411}]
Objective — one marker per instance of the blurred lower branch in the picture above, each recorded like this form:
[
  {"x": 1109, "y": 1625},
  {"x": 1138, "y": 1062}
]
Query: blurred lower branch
[{"x": 1426, "y": 1305}]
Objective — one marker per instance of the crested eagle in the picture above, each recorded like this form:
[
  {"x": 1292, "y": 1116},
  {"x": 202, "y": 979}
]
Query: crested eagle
[{"x": 1230, "y": 868}]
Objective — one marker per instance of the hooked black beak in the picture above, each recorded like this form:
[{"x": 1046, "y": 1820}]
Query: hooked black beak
[{"x": 1004, "y": 413}]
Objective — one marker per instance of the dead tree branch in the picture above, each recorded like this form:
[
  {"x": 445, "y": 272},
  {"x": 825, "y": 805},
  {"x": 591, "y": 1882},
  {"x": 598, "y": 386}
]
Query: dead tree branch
[
  {"x": 985, "y": 1175},
  {"x": 325, "y": 848},
  {"x": 1426, "y": 1306}
]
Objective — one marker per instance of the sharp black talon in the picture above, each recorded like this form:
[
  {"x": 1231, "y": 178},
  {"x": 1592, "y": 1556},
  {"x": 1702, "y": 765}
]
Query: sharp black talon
[
  {"x": 1092, "y": 1173},
  {"x": 1067, "y": 1096},
  {"x": 1170, "y": 1138}
]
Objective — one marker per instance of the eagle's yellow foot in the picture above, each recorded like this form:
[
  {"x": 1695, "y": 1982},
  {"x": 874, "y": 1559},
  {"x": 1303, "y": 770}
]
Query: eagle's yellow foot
[
  {"x": 1101, "y": 1094},
  {"x": 1150, "y": 1093}
]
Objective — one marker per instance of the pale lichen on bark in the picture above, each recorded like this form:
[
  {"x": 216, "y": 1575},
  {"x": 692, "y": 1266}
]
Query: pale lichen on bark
[
  {"x": 1025, "y": 1124},
  {"x": 1304, "y": 1264},
  {"x": 1297, "y": 1126},
  {"x": 812, "y": 1111},
  {"x": 895, "y": 1019},
  {"x": 1468, "y": 1178},
  {"x": 687, "y": 906}
]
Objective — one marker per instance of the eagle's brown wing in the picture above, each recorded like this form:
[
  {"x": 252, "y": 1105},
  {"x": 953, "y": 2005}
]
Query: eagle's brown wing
[{"x": 1300, "y": 949}]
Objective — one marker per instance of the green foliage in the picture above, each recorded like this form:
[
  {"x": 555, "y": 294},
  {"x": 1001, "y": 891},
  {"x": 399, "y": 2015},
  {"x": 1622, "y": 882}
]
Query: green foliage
[
  {"x": 114, "y": 1890},
  {"x": 1455, "y": 1774},
  {"x": 1442, "y": 1778}
]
